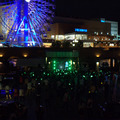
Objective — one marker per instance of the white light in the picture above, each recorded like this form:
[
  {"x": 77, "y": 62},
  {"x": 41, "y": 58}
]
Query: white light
[
  {"x": 1, "y": 45},
  {"x": 61, "y": 67},
  {"x": 97, "y": 63},
  {"x": 73, "y": 63},
  {"x": 75, "y": 41},
  {"x": 27, "y": 0},
  {"x": 73, "y": 44}
]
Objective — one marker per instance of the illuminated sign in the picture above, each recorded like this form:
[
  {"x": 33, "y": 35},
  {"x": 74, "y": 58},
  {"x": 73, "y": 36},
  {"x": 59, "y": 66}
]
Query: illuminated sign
[
  {"x": 80, "y": 30},
  {"x": 103, "y": 21}
]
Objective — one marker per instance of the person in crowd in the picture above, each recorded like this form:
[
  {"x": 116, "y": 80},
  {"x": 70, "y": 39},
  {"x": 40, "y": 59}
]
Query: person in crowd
[
  {"x": 21, "y": 94},
  {"x": 8, "y": 95},
  {"x": 29, "y": 87},
  {"x": 0, "y": 89},
  {"x": 15, "y": 94}
]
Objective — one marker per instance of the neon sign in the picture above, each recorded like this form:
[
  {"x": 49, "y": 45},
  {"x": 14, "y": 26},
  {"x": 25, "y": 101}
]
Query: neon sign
[{"x": 80, "y": 30}]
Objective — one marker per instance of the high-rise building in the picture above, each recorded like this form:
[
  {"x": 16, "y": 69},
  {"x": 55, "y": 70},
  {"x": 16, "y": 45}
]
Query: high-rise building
[{"x": 114, "y": 27}]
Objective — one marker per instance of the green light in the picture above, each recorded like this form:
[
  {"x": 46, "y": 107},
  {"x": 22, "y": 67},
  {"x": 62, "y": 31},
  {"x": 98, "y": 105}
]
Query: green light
[
  {"x": 48, "y": 74},
  {"x": 24, "y": 72},
  {"x": 54, "y": 65},
  {"x": 69, "y": 83},
  {"x": 44, "y": 73},
  {"x": 54, "y": 68},
  {"x": 69, "y": 68},
  {"x": 54, "y": 62},
  {"x": 83, "y": 76},
  {"x": 41, "y": 79},
  {"x": 91, "y": 76}
]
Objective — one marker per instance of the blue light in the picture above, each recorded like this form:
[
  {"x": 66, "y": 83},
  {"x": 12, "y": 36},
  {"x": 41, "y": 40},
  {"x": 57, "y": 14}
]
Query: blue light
[
  {"x": 102, "y": 21},
  {"x": 3, "y": 92},
  {"x": 26, "y": 21},
  {"x": 80, "y": 30},
  {"x": 66, "y": 64}
]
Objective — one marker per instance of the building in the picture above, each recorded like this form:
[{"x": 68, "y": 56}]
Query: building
[
  {"x": 91, "y": 32},
  {"x": 114, "y": 27},
  {"x": 88, "y": 31}
]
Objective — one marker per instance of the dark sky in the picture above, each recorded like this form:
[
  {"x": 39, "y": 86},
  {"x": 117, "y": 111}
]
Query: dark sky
[{"x": 109, "y": 9}]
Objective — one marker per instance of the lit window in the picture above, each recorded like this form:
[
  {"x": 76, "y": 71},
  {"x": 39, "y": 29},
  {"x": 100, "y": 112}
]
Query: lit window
[
  {"x": 111, "y": 44},
  {"x": 69, "y": 37},
  {"x": 60, "y": 37},
  {"x": 52, "y": 37}
]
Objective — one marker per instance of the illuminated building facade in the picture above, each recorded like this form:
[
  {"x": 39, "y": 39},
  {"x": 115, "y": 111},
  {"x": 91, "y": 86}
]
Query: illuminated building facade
[
  {"x": 114, "y": 27},
  {"x": 88, "y": 31},
  {"x": 93, "y": 33}
]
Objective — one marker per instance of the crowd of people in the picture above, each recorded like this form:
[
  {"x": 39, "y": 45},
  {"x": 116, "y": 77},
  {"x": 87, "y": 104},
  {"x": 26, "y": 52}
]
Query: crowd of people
[{"x": 80, "y": 94}]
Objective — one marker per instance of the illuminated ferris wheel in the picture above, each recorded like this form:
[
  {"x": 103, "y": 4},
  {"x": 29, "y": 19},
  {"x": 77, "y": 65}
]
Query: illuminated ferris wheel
[{"x": 24, "y": 22}]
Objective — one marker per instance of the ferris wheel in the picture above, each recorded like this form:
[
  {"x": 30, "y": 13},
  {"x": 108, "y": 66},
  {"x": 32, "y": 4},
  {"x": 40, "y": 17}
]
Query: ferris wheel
[{"x": 24, "y": 22}]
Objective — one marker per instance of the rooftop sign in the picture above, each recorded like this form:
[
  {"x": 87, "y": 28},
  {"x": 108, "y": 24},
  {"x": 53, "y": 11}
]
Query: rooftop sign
[{"x": 80, "y": 30}]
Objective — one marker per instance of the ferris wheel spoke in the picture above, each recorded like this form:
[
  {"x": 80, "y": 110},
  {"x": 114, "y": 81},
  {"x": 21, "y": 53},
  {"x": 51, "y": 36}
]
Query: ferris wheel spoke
[{"x": 26, "y": 27}]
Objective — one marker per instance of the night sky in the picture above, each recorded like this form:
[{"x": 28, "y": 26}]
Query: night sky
[
  {"x": 88, "y": 9},
  {"x": 109, "y": 9}
]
